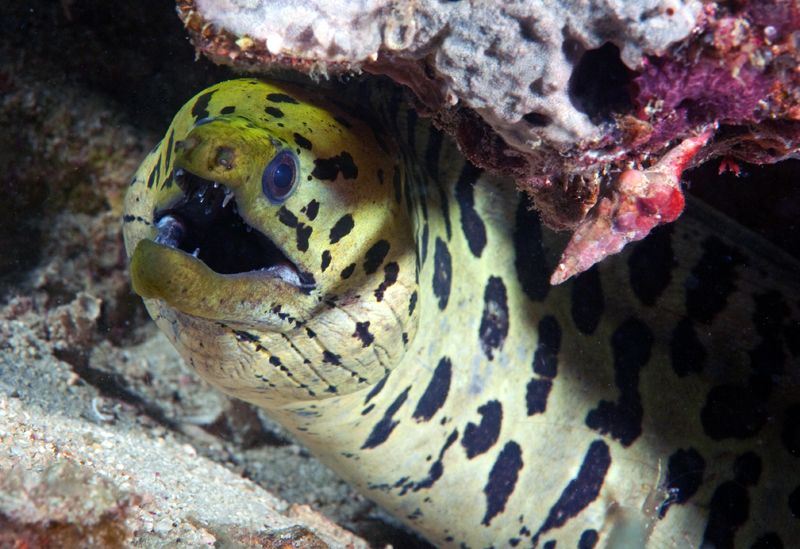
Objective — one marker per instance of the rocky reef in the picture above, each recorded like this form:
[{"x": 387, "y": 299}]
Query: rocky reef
[{"x": 564, "y": 97}]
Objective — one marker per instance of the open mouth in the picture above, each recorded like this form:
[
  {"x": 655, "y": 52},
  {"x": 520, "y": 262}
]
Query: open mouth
[{"x": 206, "y": 224}]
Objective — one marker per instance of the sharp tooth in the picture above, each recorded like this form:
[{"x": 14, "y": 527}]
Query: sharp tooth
[
  {"x": 228, "y": 197},
  {"x": 196, "y": 253},
  {"x": 216, "y": 185},
  {"x": 285, "y": 273}
]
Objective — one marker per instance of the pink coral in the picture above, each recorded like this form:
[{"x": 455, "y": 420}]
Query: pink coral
[{"x": 640, "y": 200}]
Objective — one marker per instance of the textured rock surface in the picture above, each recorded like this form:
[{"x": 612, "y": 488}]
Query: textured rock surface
[
  {"x": 67, "y": 482},
  {"x": 510, "y": 61}
]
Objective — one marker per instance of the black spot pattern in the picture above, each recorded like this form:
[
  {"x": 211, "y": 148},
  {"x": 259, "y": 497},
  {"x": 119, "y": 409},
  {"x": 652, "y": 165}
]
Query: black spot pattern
[
  {"x": 390, "y": 272},
  {"x": 650, "y": 265},
  {"x": 478, "y": 439},
  {"x": 712, "y": 280},
  {"x": 545, "y": 359},
  {"x": 442, "y": 273},
  {"x": 436, "y": 470},
  {"x": 303, "y": 234},
  {"x": 362, "y": 333},
  {"x": 154, "y": 176},
  {"x": 200, "y": 107},
  {"x": 326, "y": 260},
  {"x": 687, "y": 353},
  {"x": 471, "y": 222},
  {"x": 341, "y": 228},
  {"x": 302, "y": 142},
  {"x": 377, "y": 389},
  {"x": 588, "y": 539},
  {"x": 281, "y": 98},
  {"x": 545, "y": 364},
  {"x": 375, "y": 256},
  {"x": 274, "y": 112},
  {"x": 436, "y": 392},
  {"x": 631, "y": 345},
  {"x": 424, "y": 244},
  {"x": 412, "y": 303},
  {"x": 529, "y": 259},
  {"x": 168, "y": 157},
  {"x": 302, "y": 230},
  {"x": 494, "y": 321},
  {"x": 347, "y": 272},
  {"x": 502, "y": 480},
  {"x": 582, "y": 490},
  {"x": 790, "y": 435},
  {"x": 381, "y": 431},
  {"x": 536, "y": 394},
  {"x": 685, "y": 470},
  {"x": 287, "y": 217},
  {"x": 732, "y": 411},
  {"x": 326, "y": 168},
  {"x": 329, "y": 168},
  {"x": 307, "y": 279},
  {"x": 729, "y": 508},
  {"x": 241, "y": 335},
  {"x": 587, "y": 303},
  {"x": 312, "y": 209}
]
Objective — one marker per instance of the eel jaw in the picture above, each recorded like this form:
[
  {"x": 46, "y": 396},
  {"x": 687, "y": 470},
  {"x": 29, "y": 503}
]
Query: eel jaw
[
  {"x": 205, "y": 223},
  {"x": 207, "y": 262}
]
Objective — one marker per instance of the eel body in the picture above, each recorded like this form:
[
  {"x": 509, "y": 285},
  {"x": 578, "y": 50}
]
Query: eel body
[{"x": 389, "y": 304}]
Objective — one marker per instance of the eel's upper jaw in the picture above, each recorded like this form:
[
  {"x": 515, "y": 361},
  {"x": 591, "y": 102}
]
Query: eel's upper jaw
[{"x": 206, "y": 224}]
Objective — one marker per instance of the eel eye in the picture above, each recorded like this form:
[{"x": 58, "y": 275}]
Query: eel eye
[{"x": 279, "y": 177}]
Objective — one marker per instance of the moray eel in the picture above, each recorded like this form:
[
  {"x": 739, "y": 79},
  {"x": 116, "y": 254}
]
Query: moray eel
[{"x": 388, "y": 303}]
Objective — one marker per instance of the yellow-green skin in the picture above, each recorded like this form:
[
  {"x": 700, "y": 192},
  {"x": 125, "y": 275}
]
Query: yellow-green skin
[{"x": 443, "y": 377}]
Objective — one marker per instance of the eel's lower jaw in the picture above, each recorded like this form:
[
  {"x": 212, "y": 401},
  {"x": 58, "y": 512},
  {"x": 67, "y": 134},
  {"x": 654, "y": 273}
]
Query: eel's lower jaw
[
  {"x": 187, "y": 285},
  {"x": 205, "y": 224}
]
